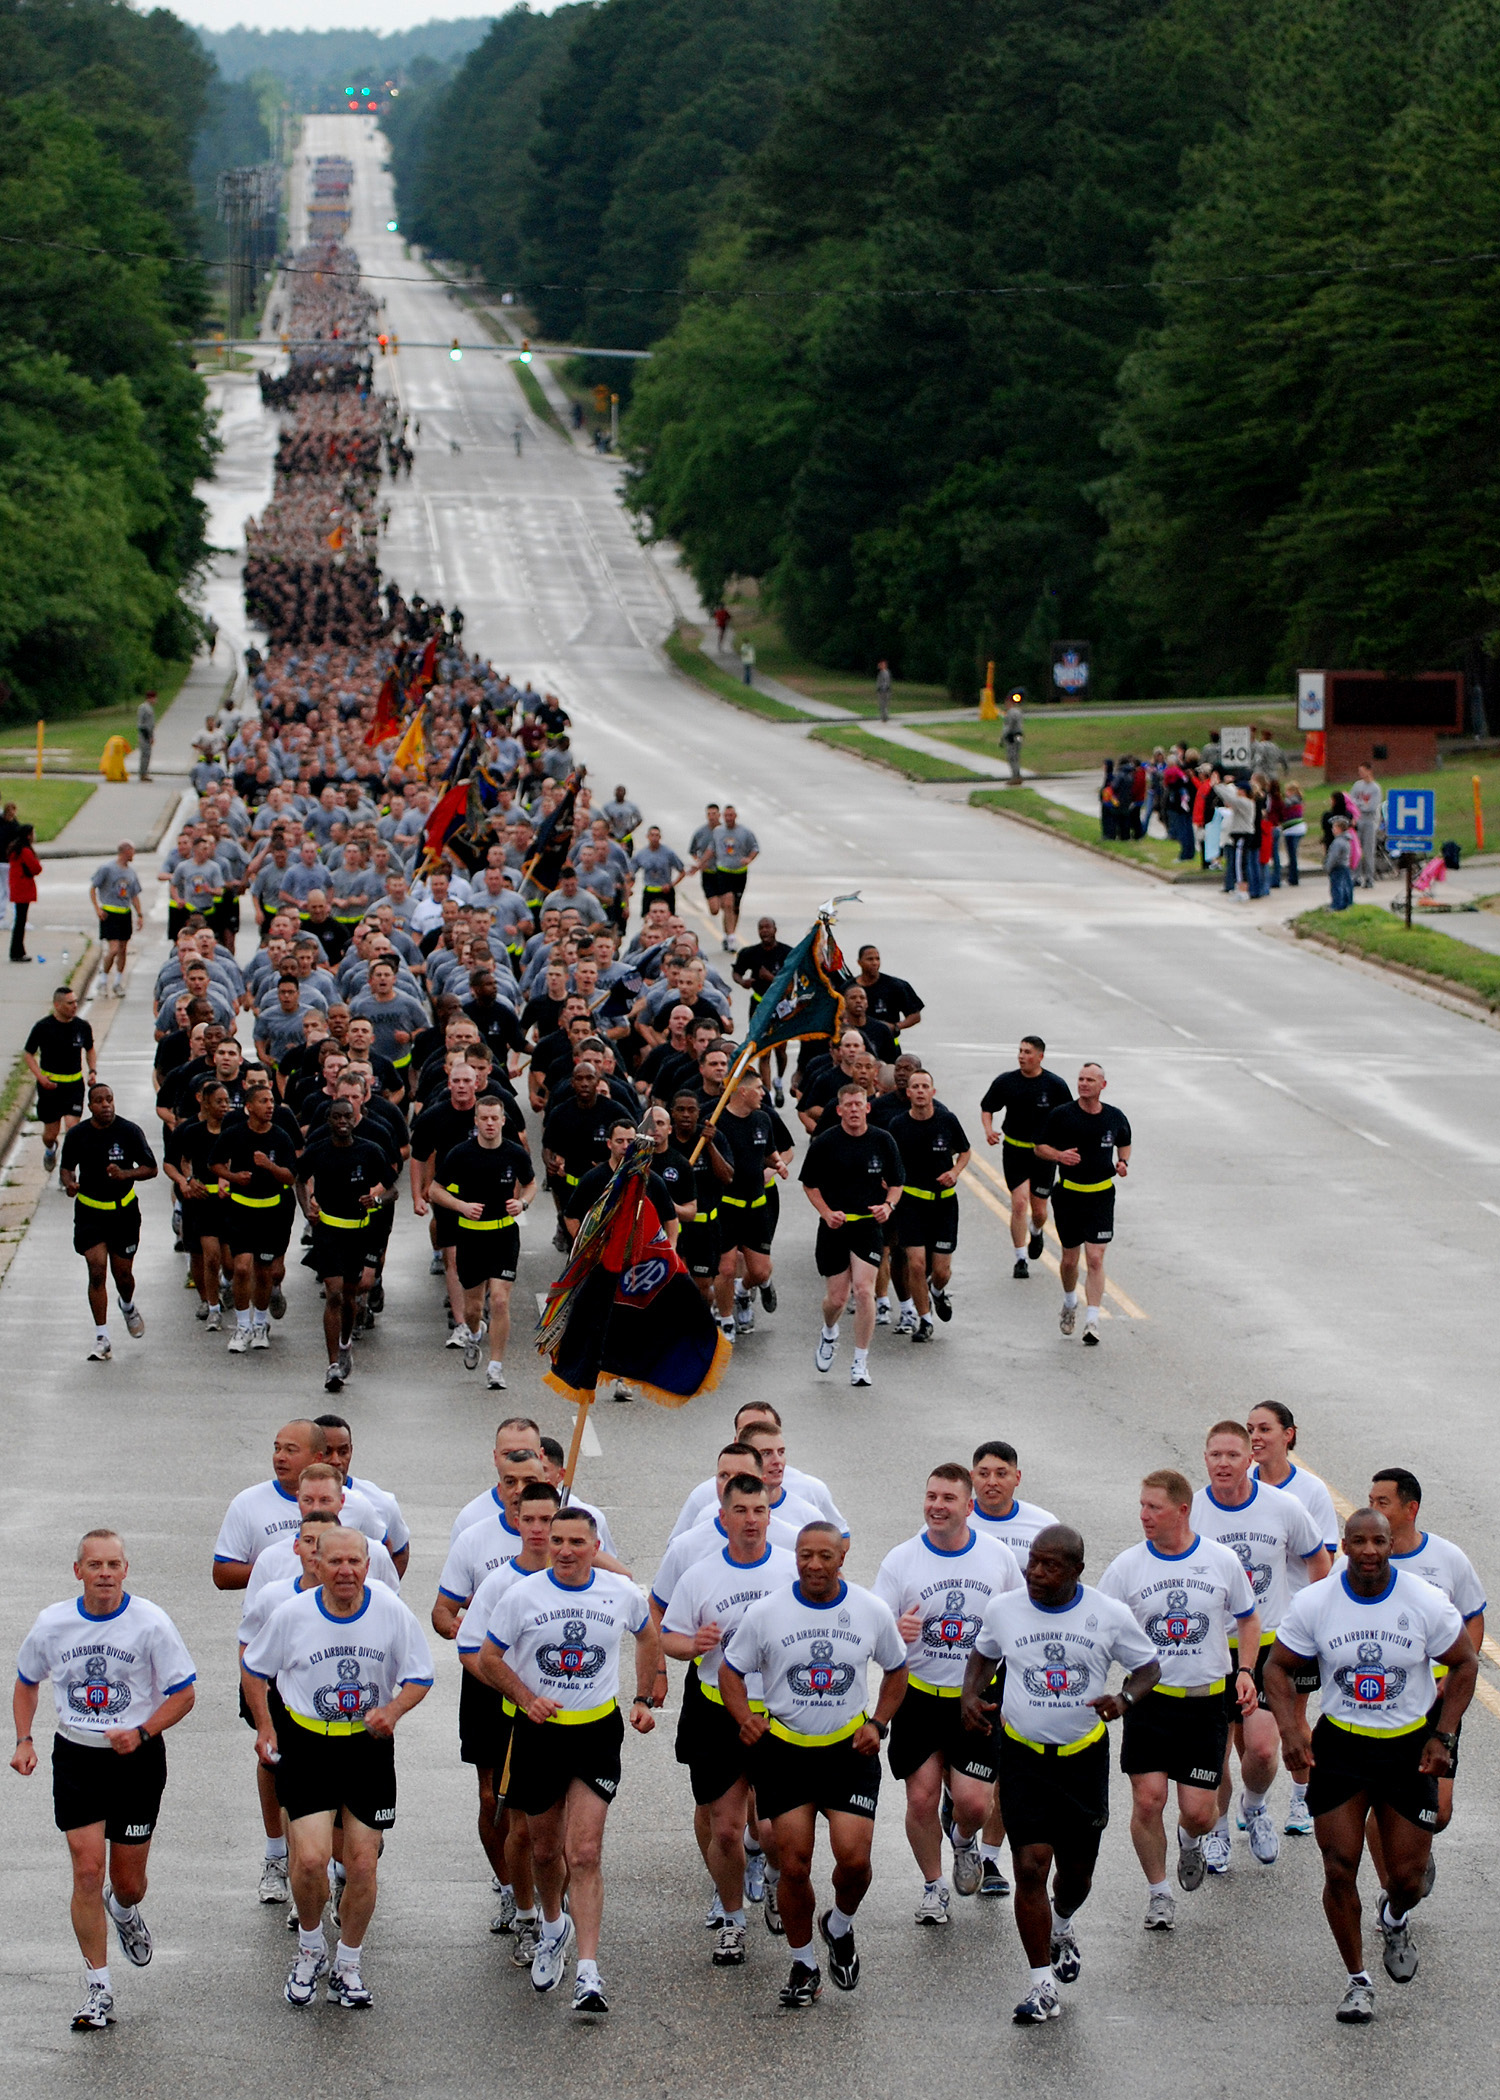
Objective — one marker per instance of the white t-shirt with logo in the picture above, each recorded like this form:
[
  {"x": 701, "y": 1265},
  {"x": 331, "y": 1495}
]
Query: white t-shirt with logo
[
  {"x": 1374, "y": 1654},
  {"x": 488, "y": 1505},
  {"x": 475, "y": 1553},
  {"x": 260, "y": 1515},
  {"x": 1266, "y": 1532},
  {"x": 718, "y": 1591},
  {"x": 1446, "y": 1566},
  {"x": 1017, "y": 1529},
  {"x": 703, "y": 1502},
  {"x": 385, "y": 1505},
  {"x": 260, "y": 1603},
  {"x": 565, "y": 1643},
  {"x": 1185, "y": 1604},
  {"x": 1057, "y": 1659},
  {"x": 953, "y": 1591},
  {"x": 475, "y": 1623},
  {"x": 280, "y": 1560},
  {"x": 814, "y": 1659},
  {"x": 335, "y": 1669},
  {"x": 1316, "y": 1500},
  {"x": 702, "y": 1543},
  {"x": 113, "y": 1671}
]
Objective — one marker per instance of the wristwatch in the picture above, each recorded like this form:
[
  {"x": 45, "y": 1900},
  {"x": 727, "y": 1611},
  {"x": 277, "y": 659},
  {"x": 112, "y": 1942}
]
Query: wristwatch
[
  {"x": 640, "y": 1699},
  {"x": 145, "y": 1736},
  {"x": 1449, "y": 1742},
  {"x": 1126, "y": 1699},
  {"x": 881, "y": 1728}
]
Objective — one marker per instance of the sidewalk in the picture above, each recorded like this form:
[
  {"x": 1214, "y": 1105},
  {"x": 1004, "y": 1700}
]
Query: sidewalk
[
  {"x": 123, "y": 809},
  {"x": 728, "y": 662}
]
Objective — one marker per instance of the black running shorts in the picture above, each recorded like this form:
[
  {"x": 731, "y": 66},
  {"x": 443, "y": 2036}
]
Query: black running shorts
[
  {"x": 1231, "y": 1698},
  {"x": 926, "y": 1725},
  {"x": 1383, "y": 1771},
  {"x": 119, "y": 1231},
  {"x": 1019, "y": 1163},
  {"x": 1084, "y": 1220},
  {"x": 55, "y": 1102},
  {"x": 1185, "y": 1738},
  {"x": 1058, "y": 1801},
  {"x": 262, "y": 1234},
  {"x": 99, "y": 1786},
  {"x": 1435, "y": 1722},
  {"x": 833, "y": 1778},
  {"x": 835, "y": 1246},
  {"x": 698, "y": 1244},
  {"x": 325, "y": 1773},
  {"x": 116, "y": 925},
  {"x": 708, "y": 1743},
  {"x": 482, "y": 1255},
  {"x": 927, "y": 1222},
  {"x": 547, "y": 1756},
  {"x": 748, "y": 1223},
  {"x": 485, "y": 1721},
  {"x": 337, "y": 1250}
]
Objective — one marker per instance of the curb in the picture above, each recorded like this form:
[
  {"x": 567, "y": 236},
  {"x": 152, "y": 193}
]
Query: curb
[
  {"x": 1424, "y": 984},
  {"x": 81, "y": 979},
  {"x": 1063, "y": 838}
]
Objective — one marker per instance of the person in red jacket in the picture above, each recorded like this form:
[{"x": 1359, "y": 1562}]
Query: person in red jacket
[{"x": 24, "y": 870}]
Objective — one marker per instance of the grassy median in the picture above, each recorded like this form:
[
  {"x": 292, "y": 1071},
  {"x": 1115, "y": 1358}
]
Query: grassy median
[
  {"x": 682, "y": 648},
  {"x": 1074, "y": 824},
  {"x": 896, "y": 758},
  {"x": 1381, "y": 937}
]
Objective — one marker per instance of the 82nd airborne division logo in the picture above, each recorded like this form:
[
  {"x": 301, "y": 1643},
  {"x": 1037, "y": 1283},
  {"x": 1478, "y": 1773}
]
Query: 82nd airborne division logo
[
  {"x": 347, "y": 1700},
  {"x": 1055, "y": 1677},
  {"x": 572, "y": 1659},
  {"x": 1259, "y": 1571},
  {"x": 820, "y": 1677},
  {"x": 951, "y": 1628},
  {"x": 1367, "y": 1681},
  {"x": 93, "y": 1694},
  {"x": 1175, "y": 1626}
]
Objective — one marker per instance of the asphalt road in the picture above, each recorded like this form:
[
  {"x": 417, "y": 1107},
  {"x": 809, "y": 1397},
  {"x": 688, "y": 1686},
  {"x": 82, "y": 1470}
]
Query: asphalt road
[{"x": 1313, "y": 1213}]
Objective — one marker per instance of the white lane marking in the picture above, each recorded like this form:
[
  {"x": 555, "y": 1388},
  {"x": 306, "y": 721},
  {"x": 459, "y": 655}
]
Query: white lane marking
[
  {"x": 1492, "y": 1208},
  {"x": 1187, "y": 1033},
  {"x": 1370, "y": 1138}
]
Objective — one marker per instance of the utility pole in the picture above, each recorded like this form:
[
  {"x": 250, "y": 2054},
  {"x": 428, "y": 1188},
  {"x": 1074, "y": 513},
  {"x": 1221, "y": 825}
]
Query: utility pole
[{"x": 249, "y": 202}]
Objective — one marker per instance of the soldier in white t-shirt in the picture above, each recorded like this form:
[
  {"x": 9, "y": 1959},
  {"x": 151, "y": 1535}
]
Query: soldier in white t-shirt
[
  {"x": 1375, "y": 1634},
  {"x": 348, "y": 1661},
  {"x": 1057, "y": 1639},
  {"x": 120, "y": 1677}
]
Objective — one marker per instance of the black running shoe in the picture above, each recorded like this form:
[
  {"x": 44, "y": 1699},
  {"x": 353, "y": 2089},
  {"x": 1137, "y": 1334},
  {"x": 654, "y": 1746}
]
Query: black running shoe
[
  {"x": 843, "y": 1961},
  {"x": 803, "y": 1987},
  {"x": 942, "y": 1305},
  {"x": 768, "y": 1296},
  {"x": 1034, "y": 1246},
  {"x": 1022, "y": 1270}
]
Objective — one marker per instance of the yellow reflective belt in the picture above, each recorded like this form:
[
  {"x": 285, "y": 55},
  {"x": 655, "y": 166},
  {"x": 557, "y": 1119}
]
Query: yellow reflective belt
[
  {"x": 1378, "y": 1734},
  {"x": 569, "y": 1717},
  {"x": 937, "y": 1691},
  {"x": 851, "y": 1214},
  {"x": 712, "y": 1692},
  {"x": 255, "y": 1203},
  {"x": 1183, "y": 1691},
  {"x": 928, "y": 1195},
  {"x": 483, "y": 1224},
  {"x": 93, "y": 1202},
  {"x": 1055, "y": 1749},
  {"x": 401, "y": 1062},
  {"x": 1026, "y": 1144},
  {"x": 744, "y": 1202},
  {"x": 1089, "y": 1188},
  {"x": 326, "y": 1727},
  {"x": 344, "y": 1224},
  {"x": 571, "y": 1179},
  {"x": 508, "y": 1709},
  {"x": 60, "y": 1078},
  {"x": 817, "y": 1742}
]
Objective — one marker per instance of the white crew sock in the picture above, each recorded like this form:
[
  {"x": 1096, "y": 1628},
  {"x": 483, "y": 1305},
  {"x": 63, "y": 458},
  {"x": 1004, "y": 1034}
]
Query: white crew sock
[
  {"x": 830, "y": 1334},
  {"x": 1221, "y": 1828},
  {"x": 1062, "y": 1926},
  {"x": 1041, "y": 1978},
  {"x": 588, "y": 1972},
  {"x": 242, "y": 1319},
  {"x": 940, "y": 1883},
  {"x": 1299, "y": 1793},
  {"x": 1359, "y": 1975},
  {"x": 861, "y": 1358},
  {"x": 839, "y": 1922},
  {"x": 347, "y": 1957},
  {"x": 101, "y": 1334},
  {"x": 804, "y": 1955},
  {"x": 907, "y": 1305},
  {"x": 1253, "y": 1801},
  {"x": 275, "y": 1848},
  {"x": 989, "y": 1852},
  {"x": 99, "y": 1976},
  {"x": 1159, "y": 1888},
  {"x": 1091, "y": 1316},
  {"x": 1387, "y": 1916},
  {"x": 1186, "y": 1842},
  {"x": 734, "y": 1917},
  {"x": 120, "y": 1912},
  {"x": 554, "y": 1928},
  {"x": 1070, "y": 1299},
  {"x": 526, "y": 1917},
  {"x": 312, "y": 1942},
  {"x": 262, "y": 1319},
  {"x": 885, "y": 1302}
]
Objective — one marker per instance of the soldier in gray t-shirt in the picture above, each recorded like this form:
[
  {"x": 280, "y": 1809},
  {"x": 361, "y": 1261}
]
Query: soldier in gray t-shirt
[{"x": 116, "y": 893}]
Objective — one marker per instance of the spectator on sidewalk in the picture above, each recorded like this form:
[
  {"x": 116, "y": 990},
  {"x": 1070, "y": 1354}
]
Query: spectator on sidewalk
[
  {"x": 1366, "y": 798},
  {"x": 883, "y": 689},
  {"x": 1293, "y": 828},
  {"x": 1012, "y": 734},
  {"x": 24, "y": 870},
  {"x": 721, "y": 623},
  {"x": 1336, "y": 862},
  {"x": 145, "y": 734},
  {"x": 10, "y": 831},
  {"x": 747, "y": 662}
]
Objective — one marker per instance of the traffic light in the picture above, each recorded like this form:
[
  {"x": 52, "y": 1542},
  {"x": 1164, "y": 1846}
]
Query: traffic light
[
  {"x": 455, "y": 353},
  {"x": 382, "y": 340},
  {"x": 601, "y": 400},
  {"x": 393, "y": 225},
  {"x": 525, "y": 350}
]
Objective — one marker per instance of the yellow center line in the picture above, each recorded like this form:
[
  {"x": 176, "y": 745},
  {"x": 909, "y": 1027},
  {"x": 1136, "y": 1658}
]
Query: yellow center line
[{"x": 1126, "y": 1304}]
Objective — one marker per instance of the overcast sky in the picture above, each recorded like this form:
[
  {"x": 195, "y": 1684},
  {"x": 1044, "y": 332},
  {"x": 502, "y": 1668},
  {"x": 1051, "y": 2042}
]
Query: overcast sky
[{"x": 382, "y": 15}]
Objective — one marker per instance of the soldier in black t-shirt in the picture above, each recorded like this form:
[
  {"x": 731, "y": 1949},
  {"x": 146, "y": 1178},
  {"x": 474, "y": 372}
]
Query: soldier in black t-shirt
[
  {"x": 102, "y": 1160},
  {"x": 486, "y": 1183},
  {"x": 758, "y": 1145},
  {"x": 698, "y": 1242},
  {"x": 852, "y": 1178},
  {"x": 575, "y": 1139},
  {"x": 1026, "y": 1097},
  {"x": 345, "y": 1179},
  {"x": 188, "y": 1155},
  {"x": 934, "y": 1150},
  {"x": 259, "y": 1161},
  {"x": 60, "y": 1057},
  {"x": 1091, "y": 1144}
]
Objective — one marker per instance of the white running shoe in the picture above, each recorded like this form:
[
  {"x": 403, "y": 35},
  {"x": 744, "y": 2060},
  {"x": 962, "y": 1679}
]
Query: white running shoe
[
  {"x": 1041, "y": 2003},
  {"x": 135, "y": 1939},
  {"x": 1216, "y": 1850},
  {"x": 1298, "y": 1824},
  {"x": 304, "y": 1976},
  {"x": 505, "y": 1917},
  {"x": 1067, "y": 1319},
  {"x": 213, "y": 1319},
  {"x": 589, "y": 1998},
  {"x": 1399, "y": 1955},
  {"x": 239, "y": 1342},
  {"x": 755, "y": 1877},
  {"x": 260, "y": 1337},
  {"x": 275, "y": 1882},
  {"x": 968, "y": 1867},
  {"x": 347, "y": 1988},
  {"x": 528, "y": 1939},
  {"x": 1065, "y": 1955},
  {"x": 859, "y": 1374},
  {"x": 135, "y": 1325},
  {"x": 471, "y": 1352},
  {"x": 729, "y": 1947},
  {"x": 97, "y": 2010},
  {"x": 933, "y": 1908},
  {"x": 494, "y": 1378},
  {"x": 826, "y": 1352},
  {"x": 882, "y": 1312},
  {"x": 456, "y": 1339},
  {"x": 101, "y": 1353},
  {"x": 549, "y": 1964},
  {"x": 715, "y": 1915},
  {"x": 1265, "y": 1844},
  {"x": 907, "y": 1324},
  {"x": 1161, "y": 1913}
]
